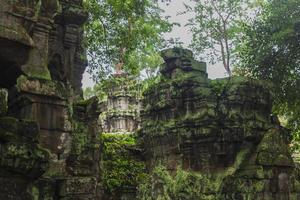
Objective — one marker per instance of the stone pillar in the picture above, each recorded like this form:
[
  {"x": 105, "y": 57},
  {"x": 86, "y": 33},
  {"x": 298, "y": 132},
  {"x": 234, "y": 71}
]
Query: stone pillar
[
  {"x": 37, "y": 64},
  {"x": 74, "y": 18}
]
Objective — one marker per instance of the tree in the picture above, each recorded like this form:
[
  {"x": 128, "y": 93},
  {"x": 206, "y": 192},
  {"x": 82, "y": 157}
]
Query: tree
[
  {"x": 215, "y": 28},
  {"x": 270, "y": 50},
  {"x": 123, "y": 35}
]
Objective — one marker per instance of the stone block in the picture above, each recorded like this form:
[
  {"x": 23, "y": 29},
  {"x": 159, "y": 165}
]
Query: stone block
[{"x": 77, "y": 186}]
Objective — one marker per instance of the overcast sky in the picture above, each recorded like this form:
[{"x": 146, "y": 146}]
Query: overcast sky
[{"x": 181, "y": 32}]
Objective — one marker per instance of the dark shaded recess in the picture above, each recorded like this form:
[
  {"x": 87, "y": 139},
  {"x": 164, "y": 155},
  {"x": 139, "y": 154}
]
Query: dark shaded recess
[
  {"x": 9, "y": 72},
  {"x": 56, "y": 69},
  {"x": 297, "y": 29},
  {"x": 12, "y": 56}
]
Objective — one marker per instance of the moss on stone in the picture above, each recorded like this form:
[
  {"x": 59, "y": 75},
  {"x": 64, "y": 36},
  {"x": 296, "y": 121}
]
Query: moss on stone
[
  {"x": 176, "y": 53},
  {"x": 80, "y": 137},
  {"x": 34, "y": 193},
  {"x": 178, "y": 185},
  {"x": 45, "y": 74},
  {"x": 42, "y": 87},
  {"x": 272, "y": 150},
  {"x": 120, "y": 168}
]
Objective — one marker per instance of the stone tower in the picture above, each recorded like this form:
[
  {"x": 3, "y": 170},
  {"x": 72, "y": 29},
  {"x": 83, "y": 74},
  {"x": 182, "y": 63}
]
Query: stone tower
[
  {"x": 122, "y": 108},
  {"x": 47, "y": 139}
]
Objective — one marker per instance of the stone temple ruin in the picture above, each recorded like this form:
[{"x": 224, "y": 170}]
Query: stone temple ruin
[
  {"x": 221, "y": 130},
  {"x": 47, "y": 141},
  {"x": 120, "y": 112}
]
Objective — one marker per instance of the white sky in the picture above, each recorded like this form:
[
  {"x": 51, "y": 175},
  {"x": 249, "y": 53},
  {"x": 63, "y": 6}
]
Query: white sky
[{"x": 182, "y": 32}]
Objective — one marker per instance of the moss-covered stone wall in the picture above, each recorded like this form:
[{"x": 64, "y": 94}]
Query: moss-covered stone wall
[
  {"x": 215, "y": 139},
  {"x": 122, "y": 168},
  {"x": 48, "y": 143}
]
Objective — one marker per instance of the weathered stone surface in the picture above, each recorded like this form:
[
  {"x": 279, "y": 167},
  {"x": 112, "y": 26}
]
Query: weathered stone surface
[
  {"x": 221, "y": 133},
  {"x": 221, "y": 129},
  {"x": 41, "y": 65},
  {"x": 20, "y": 153},
  {"x": 85, "y": 152},
  {"x": 79, "y": 186},
  {"x": 22, "y": 160},
  {"x": 121, "y": 110},
  {"x": 45, "y": 102},
  {"x": 14, "y": 189},
  {"x": 67, "y": 58}
]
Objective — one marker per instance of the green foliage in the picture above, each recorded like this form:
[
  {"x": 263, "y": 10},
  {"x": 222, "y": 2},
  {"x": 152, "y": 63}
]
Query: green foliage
[
  {"x": 99, "y": 90},
  {"x": 127, "y": 32},
  {"x": 269, "y": 50},
  {"x": 120, "y": 168},
  {"x": 80, "y": 138},
  {"x": 218, "y": 86},
  {"x": 150, "y": 82},
  {"x": 164, "y": 186},
  {"x": 215, "y": 28},
  {"x": 131, "y": 84},
  {"x": 88, "y": 93},
  {"x": 186, "y": 185}
]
